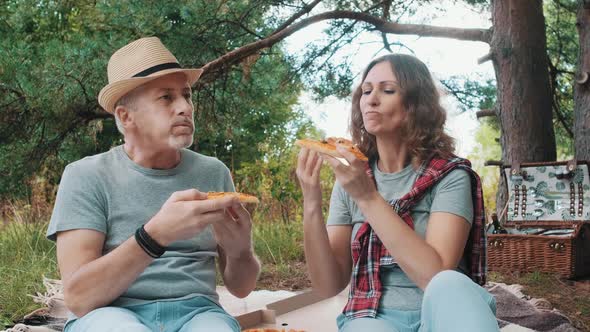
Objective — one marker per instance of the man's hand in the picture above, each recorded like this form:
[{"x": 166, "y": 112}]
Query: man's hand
[
  {"x": 238, "y": 265},
  {"x": 186, "y": 214},
  {"x": 234, "y": 232}
]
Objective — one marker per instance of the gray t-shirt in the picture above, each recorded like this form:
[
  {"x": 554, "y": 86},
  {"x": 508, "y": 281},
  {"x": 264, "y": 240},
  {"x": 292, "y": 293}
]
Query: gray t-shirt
[
  {"x": 451, "y": 194},
  {"x": 112, "y": 194}
]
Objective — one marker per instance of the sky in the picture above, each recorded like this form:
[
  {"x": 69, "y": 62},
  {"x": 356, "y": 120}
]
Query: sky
[{"x": 444, "y": 57}]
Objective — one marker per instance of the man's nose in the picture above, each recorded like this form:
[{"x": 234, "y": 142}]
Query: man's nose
[{"x": 184, "y": 107}]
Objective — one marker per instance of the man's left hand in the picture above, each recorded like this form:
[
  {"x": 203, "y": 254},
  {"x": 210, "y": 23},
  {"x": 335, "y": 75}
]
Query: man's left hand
[{"x": 234, "y": 233}]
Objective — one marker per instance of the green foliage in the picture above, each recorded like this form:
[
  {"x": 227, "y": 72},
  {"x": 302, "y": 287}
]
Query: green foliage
[
  {"x": 562, "y": 49},
  {"x": 275, "y": 182},
  {"x": 472, "y": 93},
  {"x": 26, "y": 256},
  {"x": 487, "y": 149}
]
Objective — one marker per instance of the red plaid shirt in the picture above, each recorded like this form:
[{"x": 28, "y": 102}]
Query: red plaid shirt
[{"x": 369, "y": 253}]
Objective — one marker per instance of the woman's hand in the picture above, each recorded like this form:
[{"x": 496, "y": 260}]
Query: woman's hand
[
  {"x": 353, "y": 178},
  {"x": 309, "y": 164}
]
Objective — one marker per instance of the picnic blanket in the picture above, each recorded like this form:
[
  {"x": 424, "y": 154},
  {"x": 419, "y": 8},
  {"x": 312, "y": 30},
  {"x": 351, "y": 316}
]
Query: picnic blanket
[{"x": 516, "y": 312}]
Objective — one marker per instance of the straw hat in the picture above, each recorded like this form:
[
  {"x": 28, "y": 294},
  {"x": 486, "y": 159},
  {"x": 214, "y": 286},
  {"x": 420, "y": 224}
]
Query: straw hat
[{"x": 137, "y": 63}]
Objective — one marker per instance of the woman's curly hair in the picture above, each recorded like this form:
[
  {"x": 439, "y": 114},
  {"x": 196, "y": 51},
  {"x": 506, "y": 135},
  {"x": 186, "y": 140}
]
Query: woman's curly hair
[{"x": 423, "y": 129}]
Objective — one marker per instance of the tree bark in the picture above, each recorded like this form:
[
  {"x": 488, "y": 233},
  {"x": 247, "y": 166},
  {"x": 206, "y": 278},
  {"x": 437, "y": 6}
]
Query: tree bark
[
  {"x": 582, "y": 85},
  {"x": 519, "y": 49}
]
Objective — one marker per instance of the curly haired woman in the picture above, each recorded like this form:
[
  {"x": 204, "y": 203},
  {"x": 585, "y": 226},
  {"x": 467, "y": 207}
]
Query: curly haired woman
[{"x": 405, "y": 230}]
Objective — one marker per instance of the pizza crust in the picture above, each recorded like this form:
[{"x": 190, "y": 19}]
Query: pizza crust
[
  {"x": 244, "y": 198},
  {"x": 328, "y": 146}
]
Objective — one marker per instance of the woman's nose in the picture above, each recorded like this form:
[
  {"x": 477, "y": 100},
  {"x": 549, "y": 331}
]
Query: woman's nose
[{"x": 373, "y": 99}]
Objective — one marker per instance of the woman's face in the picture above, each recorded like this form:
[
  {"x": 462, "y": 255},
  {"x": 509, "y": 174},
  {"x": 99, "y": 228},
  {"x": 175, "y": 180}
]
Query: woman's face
[{"x": 381, "y": 102}]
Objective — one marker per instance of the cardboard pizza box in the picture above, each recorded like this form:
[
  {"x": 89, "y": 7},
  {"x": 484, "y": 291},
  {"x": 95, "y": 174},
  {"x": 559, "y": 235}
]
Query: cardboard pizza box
[{"x": 306, "y": 311}]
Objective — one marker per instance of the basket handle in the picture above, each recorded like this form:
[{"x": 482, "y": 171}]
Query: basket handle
[{"x": 515, "y": 168}]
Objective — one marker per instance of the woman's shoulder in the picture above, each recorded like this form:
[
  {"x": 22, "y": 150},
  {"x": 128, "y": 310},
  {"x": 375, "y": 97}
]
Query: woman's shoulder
[{"x": 457, "y": 179}]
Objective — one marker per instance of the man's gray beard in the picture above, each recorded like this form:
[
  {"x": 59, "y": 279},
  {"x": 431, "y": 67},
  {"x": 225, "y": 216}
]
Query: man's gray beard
[{"x": 181, "y": 141}]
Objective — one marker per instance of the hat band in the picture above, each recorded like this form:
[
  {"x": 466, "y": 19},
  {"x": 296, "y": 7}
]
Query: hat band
[{"x": 157, "y": 68}]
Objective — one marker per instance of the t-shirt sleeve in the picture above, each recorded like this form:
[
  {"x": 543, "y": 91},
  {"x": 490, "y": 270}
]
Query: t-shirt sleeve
[
  {"x": 339, "y": 212},
  {"x": 79, "y": 204},
  {"x": 453, "y": 194},
  {"x": 228, "y": 182}
]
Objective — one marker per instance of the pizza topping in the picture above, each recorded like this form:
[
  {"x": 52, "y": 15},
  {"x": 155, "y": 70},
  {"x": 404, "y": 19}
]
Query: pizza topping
[
  {"x": 244, "y": 198},
  {"x": 328, "y": 146}
]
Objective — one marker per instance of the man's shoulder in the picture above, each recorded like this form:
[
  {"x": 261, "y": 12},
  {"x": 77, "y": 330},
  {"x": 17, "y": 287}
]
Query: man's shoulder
[
  {"x": 94, "y": 164},
  {"x": 202, "y": 160}
]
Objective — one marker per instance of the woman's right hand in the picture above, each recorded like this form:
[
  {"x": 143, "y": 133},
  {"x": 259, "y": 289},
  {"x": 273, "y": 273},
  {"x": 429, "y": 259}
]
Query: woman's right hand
[{"x": 309, "y": 164}]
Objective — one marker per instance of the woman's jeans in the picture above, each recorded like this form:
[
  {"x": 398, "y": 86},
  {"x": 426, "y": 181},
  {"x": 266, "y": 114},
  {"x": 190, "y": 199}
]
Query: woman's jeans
[{"x": 452, "y": 302}]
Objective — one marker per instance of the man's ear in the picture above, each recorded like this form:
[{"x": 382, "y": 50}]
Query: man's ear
[{"x": 125, "y": 116}]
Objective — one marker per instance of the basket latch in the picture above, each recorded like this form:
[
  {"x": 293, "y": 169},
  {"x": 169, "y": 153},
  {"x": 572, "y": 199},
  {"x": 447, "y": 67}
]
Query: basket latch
[
  {"x": 557, "y": 246},
  {"x": 569, "y": 170},
  {"x": 496, "y": 244}
]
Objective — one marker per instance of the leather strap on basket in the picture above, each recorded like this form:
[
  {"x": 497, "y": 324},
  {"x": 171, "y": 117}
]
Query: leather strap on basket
[
  {"x": 571, "y": 165},
  {"x": 515, "y": 168}
]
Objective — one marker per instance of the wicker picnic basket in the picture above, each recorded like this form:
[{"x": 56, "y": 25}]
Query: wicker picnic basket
[{"x": 546, "y": 220}]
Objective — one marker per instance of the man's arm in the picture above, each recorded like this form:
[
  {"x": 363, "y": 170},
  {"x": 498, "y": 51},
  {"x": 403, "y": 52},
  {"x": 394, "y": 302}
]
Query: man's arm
[
  {"x": 91, "y": 280},
  {"x": 240, "y": 273},
  {"x": 238, "y": 265}
]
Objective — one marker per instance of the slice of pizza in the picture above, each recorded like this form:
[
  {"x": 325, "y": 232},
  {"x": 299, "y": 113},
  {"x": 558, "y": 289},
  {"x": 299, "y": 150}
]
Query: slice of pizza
[
  {"x": 328, "y": 146},
  {"x": 244, "y": 198}
]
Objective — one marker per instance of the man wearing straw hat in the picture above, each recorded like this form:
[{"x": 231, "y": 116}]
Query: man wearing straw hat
[{"x": 136, "y": 239}]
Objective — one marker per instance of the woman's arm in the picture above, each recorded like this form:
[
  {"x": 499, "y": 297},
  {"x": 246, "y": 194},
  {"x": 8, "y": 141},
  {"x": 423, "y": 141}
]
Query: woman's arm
[
  {"x": 421, "y": 259},
  {"x": 327, "y": 251},
  {"x": 327, "y": 254}
]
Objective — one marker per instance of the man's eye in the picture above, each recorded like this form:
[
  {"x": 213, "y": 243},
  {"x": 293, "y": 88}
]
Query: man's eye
[
  {"x": 389, "y": 91},
  {"x": 166, "y": 97},
  {"x": 187, "y": 96},
  {"x": 367, "y": 92}
]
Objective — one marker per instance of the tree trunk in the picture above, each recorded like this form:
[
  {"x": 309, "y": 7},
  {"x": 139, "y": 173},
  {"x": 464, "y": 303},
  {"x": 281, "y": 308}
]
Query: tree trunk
[
  {"x": 582, "y": 85},
  {"x": 519, "y": 55}
]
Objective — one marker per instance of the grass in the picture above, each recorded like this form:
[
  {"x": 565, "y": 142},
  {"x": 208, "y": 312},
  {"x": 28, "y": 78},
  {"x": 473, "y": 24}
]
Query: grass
[
  {"x": 25, "y": 257},
  {"x": 278, "y": 243}
]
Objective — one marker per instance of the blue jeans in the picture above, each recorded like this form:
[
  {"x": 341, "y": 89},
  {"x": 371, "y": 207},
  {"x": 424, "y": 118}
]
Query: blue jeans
[
  {"x": 452, "y": 302},
  {"x": 194, "y": 314}
]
